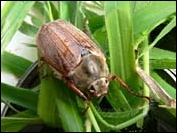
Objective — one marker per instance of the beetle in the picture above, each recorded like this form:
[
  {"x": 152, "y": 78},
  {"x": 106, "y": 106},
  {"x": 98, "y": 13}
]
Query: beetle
[{"x": 76, "y": 59}]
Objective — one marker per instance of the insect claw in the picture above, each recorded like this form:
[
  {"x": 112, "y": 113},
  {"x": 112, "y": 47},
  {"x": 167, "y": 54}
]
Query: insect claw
[
  {"x": 87, "y": 106},
  {"x": 84, "y": 97}
]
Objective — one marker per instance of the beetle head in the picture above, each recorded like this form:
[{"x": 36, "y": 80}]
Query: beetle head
[
  {"x": 90, "y": 76},
  {"x": 99, "y": 87}
]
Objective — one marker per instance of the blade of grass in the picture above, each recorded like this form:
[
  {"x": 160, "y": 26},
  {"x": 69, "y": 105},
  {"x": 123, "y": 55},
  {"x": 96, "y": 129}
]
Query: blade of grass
[
  {"x": 23, "y": 97},
  {"x": 71, "y": 116},
  {"x": 38, "y": 16},
  {"x": 47, "y": 7},
  {"x": 160, "y": 93},
  {"x": 122, "y": 61},
  {"x": 154, "y": 14},
  {"x": 47, "y": 108},
  {"x": 162, "y": 59},
  {"x": 54, "y": 9},
  {"x": 6, "y": 10},
  {"x": 167, "y": 87},
  {"x": 68, "y": 10},
  {"x": 165, "y": 30},
  {"x": 19, "y": 65},
  {"x": 28, "y": 29},
  {"x": 115, "y": 118},
  {"x": 57, "y": 102},
  {"x": 120, "y": 125},
  {"x": 12, "y": 20},
  {"x": 93, "y": 120},
  {"x": 14, "y": 124}
]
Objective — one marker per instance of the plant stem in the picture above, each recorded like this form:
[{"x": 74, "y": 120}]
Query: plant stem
[
  {"x": 146, "y": 65},
  {"x": 93, "y": 120}
]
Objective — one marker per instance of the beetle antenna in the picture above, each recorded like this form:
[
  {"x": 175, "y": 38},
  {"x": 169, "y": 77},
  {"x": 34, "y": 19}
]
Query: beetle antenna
[{"x": 114, "y": 77}]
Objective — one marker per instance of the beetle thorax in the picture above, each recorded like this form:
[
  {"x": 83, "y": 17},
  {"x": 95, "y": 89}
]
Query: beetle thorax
[{"x": 90, "y": 76}]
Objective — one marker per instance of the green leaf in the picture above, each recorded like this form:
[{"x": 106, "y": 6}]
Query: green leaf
[
  {"x": 54, "y": 9},
  {"x": 157, "y": 54},
  {"x": 12, "y": 20},
  {"x": 23, "y": 97},
  {"x": 154, "y": 14},
  {"x": 57, "y": 102},
  {"x": 119, "y": 117},
  {"x": 125, "y": 122},
  {"x": 6, "y": 11},
  {"x": 165, "y": 30},
  {"x": 167, "y": 87},
  {"x": 122, "y": 60},
  {"x": 70, "y": 114},
  {"x": 162, "y": 59},
  {"x": 14, "y": 64},
  {"x": 28, "y": 29},
  {"x": 26, "y": 114},
  {"x": 14, "y": 124},
  {"x": 68, "y": 10},
  {"x": 100, "y": 36},
  {"x": 18, "y": 121},
  {"x": 39, "y": 15},
  {"x": 96, "y": 22},
  {"x": 93, "y": 8},
  {"x": 47, "y": 108}
]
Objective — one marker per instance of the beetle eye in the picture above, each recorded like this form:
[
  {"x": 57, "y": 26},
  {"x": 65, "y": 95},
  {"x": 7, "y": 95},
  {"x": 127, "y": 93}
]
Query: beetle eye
[
  {"x": 106, "y": 81},
  {"x": 92, "y": 89},
  {"x": 85, "y": 52}
]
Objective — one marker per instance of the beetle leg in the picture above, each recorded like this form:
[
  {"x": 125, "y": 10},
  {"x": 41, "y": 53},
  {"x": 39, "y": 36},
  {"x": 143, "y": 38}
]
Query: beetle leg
[
  {"x": 75, "y": 89},
  {"x": 114, "y": 77}
]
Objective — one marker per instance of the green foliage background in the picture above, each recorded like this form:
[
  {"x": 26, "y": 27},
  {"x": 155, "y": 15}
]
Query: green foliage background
[{"x": 119, "y": 28}]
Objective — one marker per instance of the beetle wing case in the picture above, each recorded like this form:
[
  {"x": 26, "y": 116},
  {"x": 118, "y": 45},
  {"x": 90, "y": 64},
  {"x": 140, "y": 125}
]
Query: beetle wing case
[
  {"x": 75, "y": 58},
  {"x": 64, "y": 45}
]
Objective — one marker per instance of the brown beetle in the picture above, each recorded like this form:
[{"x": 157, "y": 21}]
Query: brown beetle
[{"x": 76, "y": 59}]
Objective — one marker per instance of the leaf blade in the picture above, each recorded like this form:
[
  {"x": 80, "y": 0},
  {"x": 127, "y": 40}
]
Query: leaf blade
[{"x": 12, "y": 21}]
